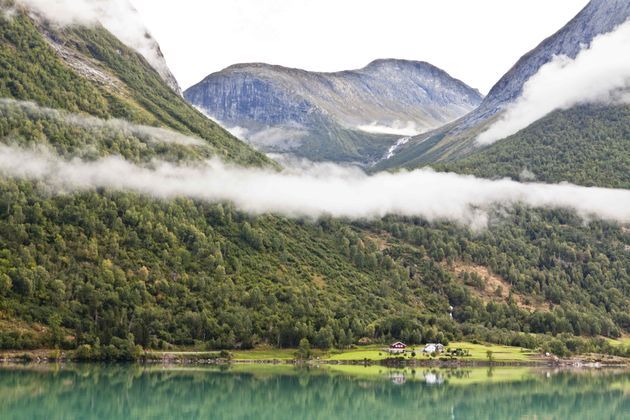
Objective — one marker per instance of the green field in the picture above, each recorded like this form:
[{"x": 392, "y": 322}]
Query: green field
[
  {"x": 622, "y": 341},
  {"x": 373, "y": 352},
  {"x": 269, "y": 353},
  {"x": 264, "y": 354},
  {"x": 478, "y": 352}
]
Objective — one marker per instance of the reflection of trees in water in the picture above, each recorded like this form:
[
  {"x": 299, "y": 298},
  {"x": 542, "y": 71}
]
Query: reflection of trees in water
[
  {"x": 457, "y": 373},
  {"x": 132, "y": 391}
]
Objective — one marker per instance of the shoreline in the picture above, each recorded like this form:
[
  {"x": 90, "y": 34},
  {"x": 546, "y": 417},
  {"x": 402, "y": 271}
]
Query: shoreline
[{"x": 165, "y": 359}]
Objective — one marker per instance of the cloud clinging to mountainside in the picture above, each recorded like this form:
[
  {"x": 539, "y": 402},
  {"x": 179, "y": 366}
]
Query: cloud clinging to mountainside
[
  {"x": 599, "y": 74},
  {"x": 314, "y": 190}
]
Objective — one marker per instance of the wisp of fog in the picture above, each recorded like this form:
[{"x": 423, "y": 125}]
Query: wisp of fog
[
  {"x": 115, "y": 125},
  {"x": 600, "y": 73},
  {"x": 315, "y": 190}
]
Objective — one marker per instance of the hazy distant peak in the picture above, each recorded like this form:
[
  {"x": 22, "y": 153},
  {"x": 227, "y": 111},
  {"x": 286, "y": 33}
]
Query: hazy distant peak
[{"x": 344, "y": 115}]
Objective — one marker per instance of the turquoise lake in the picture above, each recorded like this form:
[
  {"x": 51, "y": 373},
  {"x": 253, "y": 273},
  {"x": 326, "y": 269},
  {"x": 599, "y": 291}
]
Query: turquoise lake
[{"x": 285, "y": 392}]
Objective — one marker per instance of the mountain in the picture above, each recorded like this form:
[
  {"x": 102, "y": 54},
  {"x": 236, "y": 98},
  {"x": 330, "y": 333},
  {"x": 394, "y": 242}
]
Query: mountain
[
  {"x": 102, "y": 271},
  {"x": 457, "y": 139},
  {"x": 117, "y": 16},
  {"x": 85, "y": 69},
  {"x": 346, "y": 116}
]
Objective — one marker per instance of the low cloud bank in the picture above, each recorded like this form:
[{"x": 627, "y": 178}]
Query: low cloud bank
[
  {"x": 599, "y": 74},
  {"x": 313, "y": 190},
  {"x": 397, "y": 128}
]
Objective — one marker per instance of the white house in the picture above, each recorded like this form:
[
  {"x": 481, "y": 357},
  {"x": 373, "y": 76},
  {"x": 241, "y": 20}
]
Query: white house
[{"x": 431, "y": 348}]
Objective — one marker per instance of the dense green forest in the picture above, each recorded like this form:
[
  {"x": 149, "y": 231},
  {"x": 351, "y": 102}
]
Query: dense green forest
[
  {"x": 587, "y": 145},
  {"x": 113, "y": 270}
]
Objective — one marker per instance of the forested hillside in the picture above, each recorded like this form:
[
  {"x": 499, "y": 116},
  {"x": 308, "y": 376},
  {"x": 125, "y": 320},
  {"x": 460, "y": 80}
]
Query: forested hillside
[
  {"x": 87, "y": 70},
  {"x": 588, "y": 145},
  {"x": 110, "y": 270}
]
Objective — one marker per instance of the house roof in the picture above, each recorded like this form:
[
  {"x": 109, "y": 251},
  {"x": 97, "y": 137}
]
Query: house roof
[{"x": 398, "y": 344}]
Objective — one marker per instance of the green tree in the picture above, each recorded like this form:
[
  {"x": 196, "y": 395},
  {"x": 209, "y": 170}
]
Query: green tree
[{"x": 304, "y": 350}]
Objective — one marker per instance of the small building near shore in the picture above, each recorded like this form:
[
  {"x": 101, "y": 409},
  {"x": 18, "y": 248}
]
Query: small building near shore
[
  {"x": 432, "y": 348},
  {"x": 397, "y": 348}
]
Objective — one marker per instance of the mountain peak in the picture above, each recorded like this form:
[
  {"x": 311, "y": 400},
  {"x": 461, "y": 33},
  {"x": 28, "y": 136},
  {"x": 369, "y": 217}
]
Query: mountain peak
[
  {"x": 380, "y": 62},
  {"x": 359, "y": 113},
  {"x": 457, "y": 139},
  {"x": 597, "y": 17}
]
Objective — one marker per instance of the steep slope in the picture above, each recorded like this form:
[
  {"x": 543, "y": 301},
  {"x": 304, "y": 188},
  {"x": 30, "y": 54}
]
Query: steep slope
[
  {"x": 333, "y": 116},
  {"x": 118, "y": 16},
  {"x": 457, "y": 139},
  {"x": 87, "y": 70},
  {"x": 102, "y": 265},
  {"x": 588, "y": 145},
  {"x": 108, "y": 270}
]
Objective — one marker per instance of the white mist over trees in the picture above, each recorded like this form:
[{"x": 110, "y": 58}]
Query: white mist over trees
[{"x": 315, "y": 190}]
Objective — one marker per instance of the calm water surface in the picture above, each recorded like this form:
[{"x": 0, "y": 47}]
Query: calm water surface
[{"x": 284, "y": 392}]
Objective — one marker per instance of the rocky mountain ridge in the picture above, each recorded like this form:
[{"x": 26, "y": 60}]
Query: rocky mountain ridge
[{"x": 285, "y": 109}]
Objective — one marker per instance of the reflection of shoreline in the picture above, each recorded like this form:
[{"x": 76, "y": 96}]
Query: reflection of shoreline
[
  {"x": 209, "y": 358},
  {"x": 469, "y": 376},
  {"x": 433, "y": 376}
]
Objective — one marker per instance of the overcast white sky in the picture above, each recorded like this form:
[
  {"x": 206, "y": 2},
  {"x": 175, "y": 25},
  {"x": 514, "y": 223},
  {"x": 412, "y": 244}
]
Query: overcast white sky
[{"x": 475, "y": 41}]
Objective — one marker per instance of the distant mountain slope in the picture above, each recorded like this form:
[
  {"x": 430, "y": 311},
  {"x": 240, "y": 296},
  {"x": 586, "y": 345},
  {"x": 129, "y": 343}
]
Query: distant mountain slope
[
  {"x": 587, "y": 145},
  {"x": 349, "y": 115},
  {"x": 457, "y": 139}
]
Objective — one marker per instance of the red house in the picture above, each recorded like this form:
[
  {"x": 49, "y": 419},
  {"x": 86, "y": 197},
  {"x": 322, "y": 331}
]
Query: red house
[{"x": 397, "y": 347}]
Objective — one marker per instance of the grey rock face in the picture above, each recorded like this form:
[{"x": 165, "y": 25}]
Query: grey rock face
[
  {"x": 163, "y": 70},
  {"x": 598, "y": 17},
  {"x": 382, "y": 102}
]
